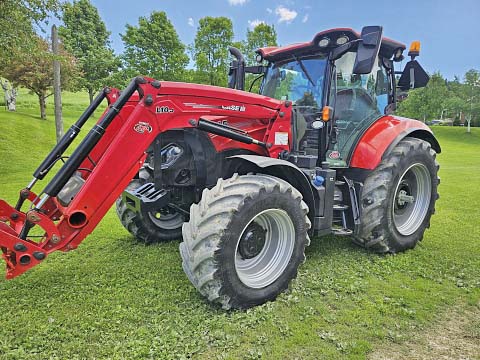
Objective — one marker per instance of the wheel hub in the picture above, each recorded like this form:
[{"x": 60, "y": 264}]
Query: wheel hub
[
  {"x": 403, "y": 198},
  {"x": 252, "y": 241},
  {"x": 412, "y": 198},
  {"x": 264, "y": 248},
  {"x": 166, "y": 218}
]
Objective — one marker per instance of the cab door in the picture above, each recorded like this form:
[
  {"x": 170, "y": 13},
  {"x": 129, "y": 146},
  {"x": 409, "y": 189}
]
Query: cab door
[{"x": 359, "y": 100}]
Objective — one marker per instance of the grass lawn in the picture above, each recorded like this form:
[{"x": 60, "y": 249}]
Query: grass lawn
[{"x": 114, "y": 298}]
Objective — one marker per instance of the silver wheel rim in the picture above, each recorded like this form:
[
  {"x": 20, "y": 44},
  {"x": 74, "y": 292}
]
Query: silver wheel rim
[
  {"x": 412, "y": 199},
  {"x": 166, "y": 220},
  {"x": 272, "y": 260}
]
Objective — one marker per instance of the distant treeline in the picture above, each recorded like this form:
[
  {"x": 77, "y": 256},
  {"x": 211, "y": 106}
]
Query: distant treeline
[
  {"x": 454, "y": 101},
  {"x": 153, "y": 48}
]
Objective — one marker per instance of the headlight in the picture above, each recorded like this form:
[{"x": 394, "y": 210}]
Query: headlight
[
  {"x": 342, "y": 40},
  {"x": 324, "y": 42}
]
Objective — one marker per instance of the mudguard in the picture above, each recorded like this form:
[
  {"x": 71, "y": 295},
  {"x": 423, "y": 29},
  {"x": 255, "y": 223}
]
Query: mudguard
[
  {"x": 384, "y": 135},
  {"x": 286, "y": 171}
]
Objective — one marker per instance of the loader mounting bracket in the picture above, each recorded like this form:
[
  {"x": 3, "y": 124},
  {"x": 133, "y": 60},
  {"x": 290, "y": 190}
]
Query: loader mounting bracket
[{"x": 146, "y": 198}]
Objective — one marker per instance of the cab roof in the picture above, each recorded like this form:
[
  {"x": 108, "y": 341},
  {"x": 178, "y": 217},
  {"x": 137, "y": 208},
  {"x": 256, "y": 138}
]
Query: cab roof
[{"x": 272, "y": 53}]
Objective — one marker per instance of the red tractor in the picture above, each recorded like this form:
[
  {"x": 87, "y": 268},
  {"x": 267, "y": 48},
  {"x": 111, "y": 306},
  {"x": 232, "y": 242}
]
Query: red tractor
[{"x": 246, "y": 179}]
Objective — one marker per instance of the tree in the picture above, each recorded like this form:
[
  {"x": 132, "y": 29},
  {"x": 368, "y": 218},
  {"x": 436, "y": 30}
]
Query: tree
[
  {"x": 17, "y": 18},
  {"x": 85, "y": 36},
  {"x": 153, "y": 48},
  {"x": 262, "y": 35},
  {"x": 426, "y": 103},
  {"x": 445, "y": 99},
  {"x": 210, "y": 48},
  {"x": 17, "y": 35},
  {"x": 472, "y": 80},
  {"x": 35, "y": 70}
]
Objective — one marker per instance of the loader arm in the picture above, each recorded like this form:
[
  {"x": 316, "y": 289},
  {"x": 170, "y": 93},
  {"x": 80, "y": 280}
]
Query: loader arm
[{"x": 105, "y": 161}]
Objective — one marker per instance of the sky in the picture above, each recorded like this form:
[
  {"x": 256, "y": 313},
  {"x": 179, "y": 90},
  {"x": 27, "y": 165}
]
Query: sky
[{"x": 449, "y": 30}]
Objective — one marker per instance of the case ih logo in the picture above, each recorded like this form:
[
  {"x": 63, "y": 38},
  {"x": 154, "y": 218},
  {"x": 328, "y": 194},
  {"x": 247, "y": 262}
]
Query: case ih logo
[
  {"x": 334, "y": 155},
  {"x": 142, "y": 127},
  {"x": 234, "y": 107}
]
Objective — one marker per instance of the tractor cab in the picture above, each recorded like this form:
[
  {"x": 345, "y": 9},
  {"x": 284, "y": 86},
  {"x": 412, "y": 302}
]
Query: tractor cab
[{"x": 351, "y": 75}]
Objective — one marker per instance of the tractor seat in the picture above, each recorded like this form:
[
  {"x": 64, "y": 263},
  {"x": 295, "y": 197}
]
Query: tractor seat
[{"x": 300, "y": 128}]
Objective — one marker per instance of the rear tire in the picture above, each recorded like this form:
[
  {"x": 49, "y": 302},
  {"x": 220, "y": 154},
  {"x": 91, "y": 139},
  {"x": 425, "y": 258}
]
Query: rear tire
[
  {"x": 146, "y": 227},
  {"x": 245, "y": 240},
  {"x": 398, "y": 198}
]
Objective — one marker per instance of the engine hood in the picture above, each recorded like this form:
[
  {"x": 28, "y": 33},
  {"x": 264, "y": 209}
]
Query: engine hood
[{"x": 216, "y": 92}]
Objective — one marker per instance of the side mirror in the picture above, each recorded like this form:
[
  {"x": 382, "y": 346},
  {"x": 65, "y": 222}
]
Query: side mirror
[
  {"x": 413, "y": 76},
  {"x": 368, "y": 49},
  {"x": 236, "y": 74}
]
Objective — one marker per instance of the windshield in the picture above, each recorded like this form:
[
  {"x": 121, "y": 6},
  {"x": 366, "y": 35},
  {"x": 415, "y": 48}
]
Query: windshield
[{"x": 299, "y": 80}]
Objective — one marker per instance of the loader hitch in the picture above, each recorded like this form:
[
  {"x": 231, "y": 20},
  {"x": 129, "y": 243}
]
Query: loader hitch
[{"x": 22, "y": 254}]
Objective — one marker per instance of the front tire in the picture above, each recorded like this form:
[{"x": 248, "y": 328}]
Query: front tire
[
  {"x": 245, "y": 240},
  {"x": 398, "y": 198},
  {"x": 149, "y": 227}
]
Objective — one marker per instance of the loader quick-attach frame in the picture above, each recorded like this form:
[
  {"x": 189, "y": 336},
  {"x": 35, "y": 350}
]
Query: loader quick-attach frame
[{"x": 94, "y": 176}]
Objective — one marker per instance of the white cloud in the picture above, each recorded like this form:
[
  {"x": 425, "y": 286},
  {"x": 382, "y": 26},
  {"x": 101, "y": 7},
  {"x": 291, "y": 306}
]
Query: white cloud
[
  {"x": 237, "y": 2},
  {"x": 254, "y": 23},
  {"x": 305, "y": 18},
  {"x": 285, "y": 15},
  {"x": 269, "y": 10},
  {"x": 191, "y": 22}
]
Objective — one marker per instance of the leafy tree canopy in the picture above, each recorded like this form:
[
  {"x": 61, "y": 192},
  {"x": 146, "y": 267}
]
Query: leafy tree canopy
[
  {"x": 34, "y": 71},
  {"x": 154, "y": 49},
  {"x": 85, "y": 35},
  {"x": 210, "y": 49},
  {"x": 445, "y": 99},
  {"x": 17, "y": 18},
  {"x": 261, "y": 36}
]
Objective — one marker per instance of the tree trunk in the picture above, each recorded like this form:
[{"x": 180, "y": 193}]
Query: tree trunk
[
  {"x": 90, "y": 95},
  {"x": 43, "y": 105}
]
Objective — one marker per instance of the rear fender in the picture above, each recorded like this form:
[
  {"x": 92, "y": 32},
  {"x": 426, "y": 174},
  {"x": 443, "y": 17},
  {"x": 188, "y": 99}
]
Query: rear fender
[
  {"x": 286, "y": 171},
  {"x": 384, "y": 135}
]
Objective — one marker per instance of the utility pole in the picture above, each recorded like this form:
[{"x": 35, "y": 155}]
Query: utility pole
[{"x": 57, "y": 91}]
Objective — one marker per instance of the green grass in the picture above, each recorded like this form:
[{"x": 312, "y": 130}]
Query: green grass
[{"x": 114, "y": 298}]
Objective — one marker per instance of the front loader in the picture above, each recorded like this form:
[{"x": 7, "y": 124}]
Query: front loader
[{"x": 246, "y": 179}]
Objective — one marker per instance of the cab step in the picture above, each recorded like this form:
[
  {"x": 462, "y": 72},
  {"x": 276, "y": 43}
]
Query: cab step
[{"x": 341, "y": 232}]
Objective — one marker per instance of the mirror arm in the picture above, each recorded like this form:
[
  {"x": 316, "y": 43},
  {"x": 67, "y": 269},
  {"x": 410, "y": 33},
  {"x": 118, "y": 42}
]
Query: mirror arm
[
  {"x": 259, "y": 69},
  {"x": 342, "y": 49}
]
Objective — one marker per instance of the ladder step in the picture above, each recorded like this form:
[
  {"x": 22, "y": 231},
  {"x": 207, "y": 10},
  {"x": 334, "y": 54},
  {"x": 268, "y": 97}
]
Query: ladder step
[
  {"x": 339, "y": 182},
  {"x": 340, "y": 207},
  {"x": 341, "y": 232}
]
